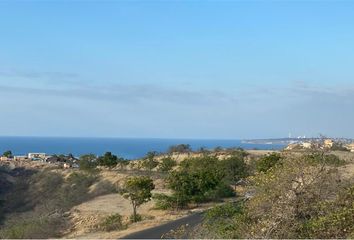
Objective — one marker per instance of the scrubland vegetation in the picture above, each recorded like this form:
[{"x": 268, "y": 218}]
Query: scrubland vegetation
[
  {"x": 277, "y": 195},
  {"x": 290, "y": 197}
]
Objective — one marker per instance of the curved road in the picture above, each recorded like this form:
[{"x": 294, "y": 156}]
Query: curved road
[{"x": 159, "y": 231}]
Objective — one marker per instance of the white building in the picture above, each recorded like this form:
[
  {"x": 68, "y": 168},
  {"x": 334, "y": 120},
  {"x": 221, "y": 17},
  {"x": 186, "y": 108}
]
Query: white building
[
  {"x": 307, "y": 145},
  {"x": 350, "y": 147},
  {"x": 20, "y": 158},
  {"x": 36, "y": 156}
]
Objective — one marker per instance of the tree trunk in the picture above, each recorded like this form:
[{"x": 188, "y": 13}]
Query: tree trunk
[{"x": 134, "y": 212}]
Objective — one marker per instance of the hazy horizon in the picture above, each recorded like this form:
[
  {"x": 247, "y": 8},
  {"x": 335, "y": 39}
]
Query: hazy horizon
[
  {"x": 196, "y": 70},
  {"x": 164, "y": 138}
]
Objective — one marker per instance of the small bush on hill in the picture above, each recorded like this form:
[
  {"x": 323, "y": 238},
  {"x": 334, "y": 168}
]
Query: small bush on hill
[
  {"x": 335, "y": 218},
  {"x": 324, "y": 159},
  {"x": 135, "y": 218},
  {"x": 166, "y": 164},
  {"x": 112, "y": 222},
  {"x": 88, "y": 163},
  {"x": 222, "y": 190},
  {"x": 339, "y": 147},
  {"x": 268, "y": 161},
  {"x": 149, "y": 161},
  {"x": 181, "y": 148},
  {"x": 224, "y": 222},
  {"x": 109, "y": 160},
  {"x": 163, "y": 201}
]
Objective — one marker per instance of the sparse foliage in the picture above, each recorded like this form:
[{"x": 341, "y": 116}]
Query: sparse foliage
[
  {"x": 268, "y": 161},
  {"x": 167, "y": 164},
  {"x": 112, "y": 222},
  {"x": 150, "y": 162},
  {"x": 181, "y": 148},
  {"x": 88, "y": 162}
]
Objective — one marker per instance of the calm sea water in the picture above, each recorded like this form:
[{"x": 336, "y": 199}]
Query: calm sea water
[{"x": 125, "y": 147}]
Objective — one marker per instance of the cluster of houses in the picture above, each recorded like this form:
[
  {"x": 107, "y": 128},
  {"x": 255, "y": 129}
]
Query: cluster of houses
[
  {"x": 66, "y": 161},
  {"x": 325, "y": 144}
]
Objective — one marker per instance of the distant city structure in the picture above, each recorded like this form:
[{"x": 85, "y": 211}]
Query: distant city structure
[
  {"x": 36, "y": 156},
  {"x": 303, "y": 142}
]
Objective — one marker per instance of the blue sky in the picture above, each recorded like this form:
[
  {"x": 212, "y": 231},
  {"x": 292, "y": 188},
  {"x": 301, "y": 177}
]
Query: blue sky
[{"x": 177, "y": 69}]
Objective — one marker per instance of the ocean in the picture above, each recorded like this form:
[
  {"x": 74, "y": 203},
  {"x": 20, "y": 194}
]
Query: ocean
[{"x": 129, "y": 148}]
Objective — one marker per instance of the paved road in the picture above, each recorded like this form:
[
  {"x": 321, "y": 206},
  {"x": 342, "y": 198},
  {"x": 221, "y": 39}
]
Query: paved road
[{"x": 159, "y": 231}]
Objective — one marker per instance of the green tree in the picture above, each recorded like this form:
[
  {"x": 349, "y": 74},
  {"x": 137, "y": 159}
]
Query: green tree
[
  {"x": 108, "y": 160},
  {"x": 195, "y": 179},
  {"x": 7, "y": 154},
  {"x": 235, "y": 168},
  {"x": 149, "y": 162},
  {"x": 166, "y": 164},
  {"x": 138, "y": 191}
]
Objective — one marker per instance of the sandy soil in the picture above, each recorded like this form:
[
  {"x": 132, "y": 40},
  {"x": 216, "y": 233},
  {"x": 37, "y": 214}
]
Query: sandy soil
[{"x": 346, "y": 171}]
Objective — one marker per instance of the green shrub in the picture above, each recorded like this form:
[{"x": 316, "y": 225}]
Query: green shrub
[
  {"x": 222, "y": 190},
  {"x": 227, "y": 210},
  {"x": 109, "y": 160},
  {"x": 268, "y": 161},
  {"x": 225, "y": 221},
  {"x": 326, "y": 159},
  {"x": 235, "y": 167},
  {"x": 335, "y": 220},
  {"x": 339, "y": 147},
  {"x": 135, "y": 218},
  {"x": 167, "y": 164},
  {"x": 112, "y": 222},
  {"x": 194, "y": 178},
  {"x": 88, "y": 163},
  {"x": 164, "y": 202},
  {"x": 149, "y": 161}
]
